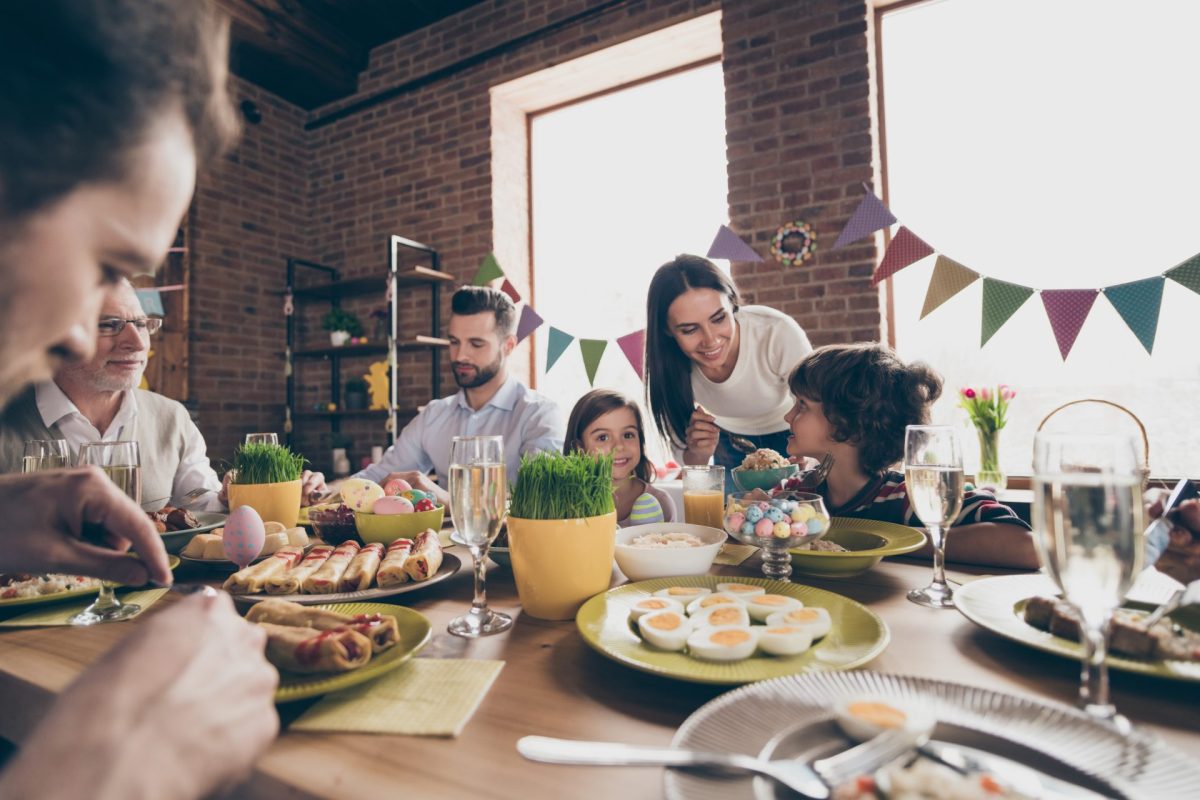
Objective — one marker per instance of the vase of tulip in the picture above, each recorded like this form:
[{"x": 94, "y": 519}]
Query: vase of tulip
[{"x": 987, "y": 409}]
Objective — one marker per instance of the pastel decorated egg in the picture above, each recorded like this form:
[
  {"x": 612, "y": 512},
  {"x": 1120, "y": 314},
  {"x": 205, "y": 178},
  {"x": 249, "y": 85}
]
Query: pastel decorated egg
[
  {"x": 360, "y": 494},
  {"x": 747, "y": 528},
  {"x": 387, "y": 506},
  {"x": 396, "y": 486},
  {"x": 734, "y": 521},
  {"x": 244, "y": 536},
  {"x": 782, "y": 530},
  {"x": 764, "y": 528},
  {"x": 799, "y": 528},
  {"x": 816, "y": 525},
  {"x": 753, "y": 514},
  {"x": 803, "y": 513},
  {"x": 424, "y": 504},
  {"x": 773, "y": 514}
]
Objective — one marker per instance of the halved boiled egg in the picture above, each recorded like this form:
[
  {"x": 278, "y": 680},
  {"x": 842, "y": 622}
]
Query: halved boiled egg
[
  {"x": 648, "y": 605},
  {"x": 742, "y": 590},
  {"x": 723, "y": 644},
  {"x": 764, "y": 605},
  {"x": 710, "y": 600},
  {"x": 813, "y": 619},
  {"x": 684, "y": 594},
  {"x": 666, "y": 630},
  {"x": 866, "y": 718},
  {"x": 784, "y": 640},
  {"x": 722, "y": 615}
]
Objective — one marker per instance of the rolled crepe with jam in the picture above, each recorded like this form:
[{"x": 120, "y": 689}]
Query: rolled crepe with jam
[
  {"x": 426, "y": 556},
  {"x": 391, "y": 571},
  {"x": 307, "y": 650},
  {"x": 252, "y": 579},
  {"x": 291, "y": 581},
  {"x": 325, "y": 580},
  {"x": 362, "y": 569},
  {"x": 381, "y": 629}
]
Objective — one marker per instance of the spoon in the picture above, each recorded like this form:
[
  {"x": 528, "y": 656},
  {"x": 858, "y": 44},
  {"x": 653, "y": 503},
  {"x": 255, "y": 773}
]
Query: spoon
[{"x": 739, "y": 443}]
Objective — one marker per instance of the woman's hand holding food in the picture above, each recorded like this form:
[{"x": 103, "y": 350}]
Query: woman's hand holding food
[{"x": 702, "y": 435}]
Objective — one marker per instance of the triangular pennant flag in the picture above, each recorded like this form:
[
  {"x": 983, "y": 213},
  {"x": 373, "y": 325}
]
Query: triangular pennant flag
[
  {"x": 870, "y": 216},
  {"x": 592, "y": 349},
  {"x": 530, "y": 321},
  {"x": 151, "y": 301},
  {"x": 1138, "y": 303},
  {"x": 555, "y": 346},
  {"x": 1187, "y": 273},
  {"x": 1067, "y": 310},
  {"x": 729, "y": 245},
  {"x": 489, "y": 270},
  {"x": 949, "y": 278},
  {"x": 510, "y": 290},
  {"x": 633, "y": 345},
  {"x": 905, "y": 248},
  {"x": 1000, "y": 301}
]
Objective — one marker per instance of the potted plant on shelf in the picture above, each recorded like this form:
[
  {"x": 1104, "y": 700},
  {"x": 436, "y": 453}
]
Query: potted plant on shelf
[
  {"x": 341, "y": 325},
  {"x": 266, "y": 477},
  {"x": 355, "y": 394},
  {"x": 561, "y": 531}
]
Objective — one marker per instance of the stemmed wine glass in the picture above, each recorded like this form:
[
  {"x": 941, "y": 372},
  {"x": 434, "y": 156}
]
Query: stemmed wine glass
[
  {"x": 44, "y": 454},
  {"x": 262, "y": 438},
  {"x": 121, "y": 461},
  {"x": 1087, "y": 516},
  {"x": 933, "y": 478},
  {"x": 478, "y": 504}
]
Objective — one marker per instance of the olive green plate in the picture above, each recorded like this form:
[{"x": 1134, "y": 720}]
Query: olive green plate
[
  {"x": 47, "y": 599},
  {"x": 870, "y": 540},
  {"x": 998, "y": 604},
  {"x": 858, "y": 634},
  {"x": 175, "y": 541},
  {"x": 415, "y": 632}
]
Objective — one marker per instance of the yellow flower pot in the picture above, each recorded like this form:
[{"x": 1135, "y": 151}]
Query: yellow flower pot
[
  {"x": 559, "y": 563},
  {"x": 279, "y": 502}
]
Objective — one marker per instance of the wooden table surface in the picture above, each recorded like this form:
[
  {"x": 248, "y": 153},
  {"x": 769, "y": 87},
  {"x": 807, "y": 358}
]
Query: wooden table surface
[{"x": 553, "y": 684}]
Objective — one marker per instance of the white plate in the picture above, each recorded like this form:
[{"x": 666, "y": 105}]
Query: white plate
[
  {"x": 450, "y": 565},
  {"x": 746, "y": 719}
]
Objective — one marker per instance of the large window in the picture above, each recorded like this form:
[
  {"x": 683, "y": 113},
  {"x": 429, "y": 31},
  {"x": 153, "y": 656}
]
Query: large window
[{"x": 1050, "y": 145}]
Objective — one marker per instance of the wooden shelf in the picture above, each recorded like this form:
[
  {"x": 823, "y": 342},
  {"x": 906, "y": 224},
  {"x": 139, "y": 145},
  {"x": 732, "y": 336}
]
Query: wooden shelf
[
  {"x": 416, "y": 276},
  {"x": 365, "y": 412},
  {"x": 351, "y": 350}
]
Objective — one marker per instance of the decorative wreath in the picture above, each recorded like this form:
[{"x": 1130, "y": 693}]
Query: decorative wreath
[{"x": 794, "y": 243}]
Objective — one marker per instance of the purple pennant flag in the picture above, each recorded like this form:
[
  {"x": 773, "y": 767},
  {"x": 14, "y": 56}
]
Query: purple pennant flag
[
  {"x": 529, "y": 322},
  {"x": 729, "y": 245},
  {"x": 633, "y": 346},
  {"x": 870, "y": 216},
  {"x": 1067, "y": 310}
]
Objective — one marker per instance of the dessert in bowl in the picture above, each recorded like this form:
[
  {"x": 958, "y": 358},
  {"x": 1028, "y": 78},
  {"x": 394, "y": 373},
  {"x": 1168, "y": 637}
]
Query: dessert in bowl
[{"x": 666, "y": 549}]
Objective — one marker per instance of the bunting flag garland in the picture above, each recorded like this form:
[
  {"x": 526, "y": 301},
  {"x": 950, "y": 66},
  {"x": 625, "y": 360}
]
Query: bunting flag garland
[
  {"x": 1187, "y": 274},
  {"x": 1000, "y": 301},
  {"x": 1138, "y": 303},
  {"x": 729, "y": 245},
  {"x": 489, "y": 270},
  {"x": 558, "y": 342},
  {"x": 633, "y": 345},
  {"x": 1067, "y": 310},
  {"x": 906, "y": 248},
  {"x": 592, "y": 350},
  {"x": 949, "y": 278},
  {"x": 511, "y": 291},
  {"x": 530, "y": 321},
  {"x": 870, "y": 216}
]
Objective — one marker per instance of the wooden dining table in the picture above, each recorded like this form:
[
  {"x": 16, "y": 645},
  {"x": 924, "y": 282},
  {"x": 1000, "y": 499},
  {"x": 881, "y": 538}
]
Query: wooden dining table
[{"x": 554, "y": 684}]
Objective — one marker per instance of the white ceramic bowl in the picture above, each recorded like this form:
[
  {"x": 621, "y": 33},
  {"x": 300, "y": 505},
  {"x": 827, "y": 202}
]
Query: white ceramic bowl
[{"x": 644, "y": 563}]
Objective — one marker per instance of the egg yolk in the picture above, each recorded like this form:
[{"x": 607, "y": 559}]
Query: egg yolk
[
  {"x": 729, "y": 638},
  {"x": 682, "y": 590},
  {"x": 803, "y": 615},
  {"x": 715, "y": 600},
  {"x": 723, "y": 616},
  {"x": 772, "y": 600},
  {"x": 783, "y": 631},
  {"x": 652, "y": 604},
  {"x": 740, "y": 587},
  {"x": 664, "y": 622},
  {"x": 878, "y": 714}
]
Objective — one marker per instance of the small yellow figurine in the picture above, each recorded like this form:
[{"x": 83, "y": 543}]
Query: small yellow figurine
[{"x": 377, "y": 384}]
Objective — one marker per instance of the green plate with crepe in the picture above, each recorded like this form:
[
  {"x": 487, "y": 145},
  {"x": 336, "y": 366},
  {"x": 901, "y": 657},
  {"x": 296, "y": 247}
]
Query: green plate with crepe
[
  {"x": 998, "y": 604},
  {"x": 868, "y": 539},
  {"x": 59, "y": 597},
  {"x": 857, "y": 636},
  {"x": 415, "y": 632}
]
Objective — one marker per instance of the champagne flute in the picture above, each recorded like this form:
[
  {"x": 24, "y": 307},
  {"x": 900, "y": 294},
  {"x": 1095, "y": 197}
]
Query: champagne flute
[
  {"x": 122, "y": 463},
  {"x": 1087, "y": 514},
  {"x": 262, "y": 438},
  {"x": 478, "y": 504},
  {"x": 933, "y": 478},
  {"x": 44, "y": 454}
]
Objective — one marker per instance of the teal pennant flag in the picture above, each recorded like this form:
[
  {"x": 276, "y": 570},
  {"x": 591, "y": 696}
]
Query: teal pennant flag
[
  {"x": 1187, "y": 274},
  {"x": 555, "y": 345},
  {"x": 1138, "y": 303}
]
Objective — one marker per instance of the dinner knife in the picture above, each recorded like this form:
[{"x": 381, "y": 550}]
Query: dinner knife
[{"x": 1026, "y": 780}]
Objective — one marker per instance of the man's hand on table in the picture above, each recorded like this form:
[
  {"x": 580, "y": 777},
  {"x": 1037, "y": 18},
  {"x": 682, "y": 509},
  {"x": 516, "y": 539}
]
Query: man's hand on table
[
  {"x": 1181, "y": 558},
  {"x": 313, "y": 487}
]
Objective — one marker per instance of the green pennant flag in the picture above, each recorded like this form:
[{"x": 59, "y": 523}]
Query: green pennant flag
[
  {"x": 1187, "y": 274},
  {"x": 555, "y": 345},
  {"x": 592, "y": 350},
  {"x": 489, "y": 270},
  {"x": 1138, "y": 303},
  {"x": 1000, "y": 301}
]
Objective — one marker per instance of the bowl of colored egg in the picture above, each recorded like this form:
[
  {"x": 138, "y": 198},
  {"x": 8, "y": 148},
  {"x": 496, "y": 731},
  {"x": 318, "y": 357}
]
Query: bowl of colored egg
[
  {"x": 394, "y": 511},
  {"x": 776, "y": 524}
]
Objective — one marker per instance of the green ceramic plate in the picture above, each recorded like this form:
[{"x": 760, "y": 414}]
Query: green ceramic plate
[
  {"x": 869, "y": 539},
  {"x": 858, "y": 634},
  {"x": 998, "y": 604},
  {"x": 414, "y": 634},
  {"x": 47, "y": 599}
]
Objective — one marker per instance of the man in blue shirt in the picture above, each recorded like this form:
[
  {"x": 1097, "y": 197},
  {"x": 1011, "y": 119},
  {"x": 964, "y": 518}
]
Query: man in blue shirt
[{"x": 482, "y": 334}]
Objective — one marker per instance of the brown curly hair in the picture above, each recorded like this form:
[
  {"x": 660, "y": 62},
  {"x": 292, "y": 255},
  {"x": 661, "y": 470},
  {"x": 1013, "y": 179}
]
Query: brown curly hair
[{"x": 868, "y": 395}]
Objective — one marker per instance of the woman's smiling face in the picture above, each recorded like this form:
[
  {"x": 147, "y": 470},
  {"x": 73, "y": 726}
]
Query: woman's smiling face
[
  {"x": 616, "y": 432},
  {"x": 701, "y": 322}
]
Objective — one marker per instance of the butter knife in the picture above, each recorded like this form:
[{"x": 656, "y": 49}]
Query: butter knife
[{"x": 1023, "y": 779}]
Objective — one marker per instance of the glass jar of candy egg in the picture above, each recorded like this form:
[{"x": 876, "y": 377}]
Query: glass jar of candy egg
[{"x": 776, "y": 524}]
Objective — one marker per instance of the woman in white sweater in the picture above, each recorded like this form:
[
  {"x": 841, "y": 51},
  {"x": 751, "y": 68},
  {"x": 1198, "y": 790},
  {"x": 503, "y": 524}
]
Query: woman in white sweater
[{"x": 714, "y": 368}]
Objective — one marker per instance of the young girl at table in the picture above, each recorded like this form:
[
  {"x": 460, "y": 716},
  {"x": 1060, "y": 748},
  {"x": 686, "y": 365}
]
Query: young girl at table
[
  {"x": 604, "y": 421},
  {"x": 854, "y": 401}
]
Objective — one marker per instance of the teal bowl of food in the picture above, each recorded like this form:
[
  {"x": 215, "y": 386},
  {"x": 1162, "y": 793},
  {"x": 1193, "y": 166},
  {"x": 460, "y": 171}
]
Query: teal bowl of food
[{"x": 747, "y": 480}]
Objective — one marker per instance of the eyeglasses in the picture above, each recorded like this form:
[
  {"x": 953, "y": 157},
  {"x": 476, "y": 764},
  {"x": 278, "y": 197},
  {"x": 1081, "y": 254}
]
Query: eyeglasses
[{"x": 112, "y": 326}]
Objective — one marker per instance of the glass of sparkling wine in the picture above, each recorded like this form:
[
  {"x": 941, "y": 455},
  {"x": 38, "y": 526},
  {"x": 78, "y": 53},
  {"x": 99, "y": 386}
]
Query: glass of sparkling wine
[
  {"x": 478, "y": 504},
  {"x": 122, "y": 463},
  {"x": 1087, "y": 519},
  {"x": 262, "y": 438},
  {"x": 44, "y": 454},
  {"x": 933, "y": 477}
]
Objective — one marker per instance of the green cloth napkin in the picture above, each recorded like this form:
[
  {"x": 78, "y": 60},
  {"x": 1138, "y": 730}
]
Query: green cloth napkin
[
  {"x": 61, "y": 613},
  {"x": 733, "y": 554},
  {"x": 425, "y": 697}
]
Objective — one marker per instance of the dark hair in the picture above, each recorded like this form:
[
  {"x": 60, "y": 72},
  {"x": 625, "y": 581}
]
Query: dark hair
[
  {"x": 668, "y": 371},
  {"x": 478, "y": 299},
  {"x": 595, "y": 404},
  {"x": 868, "y": 395},
  {"x": 81, "y": 82}
]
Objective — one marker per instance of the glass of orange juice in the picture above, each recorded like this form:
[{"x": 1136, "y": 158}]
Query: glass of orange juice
[{"x": 704, "y": 495}]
